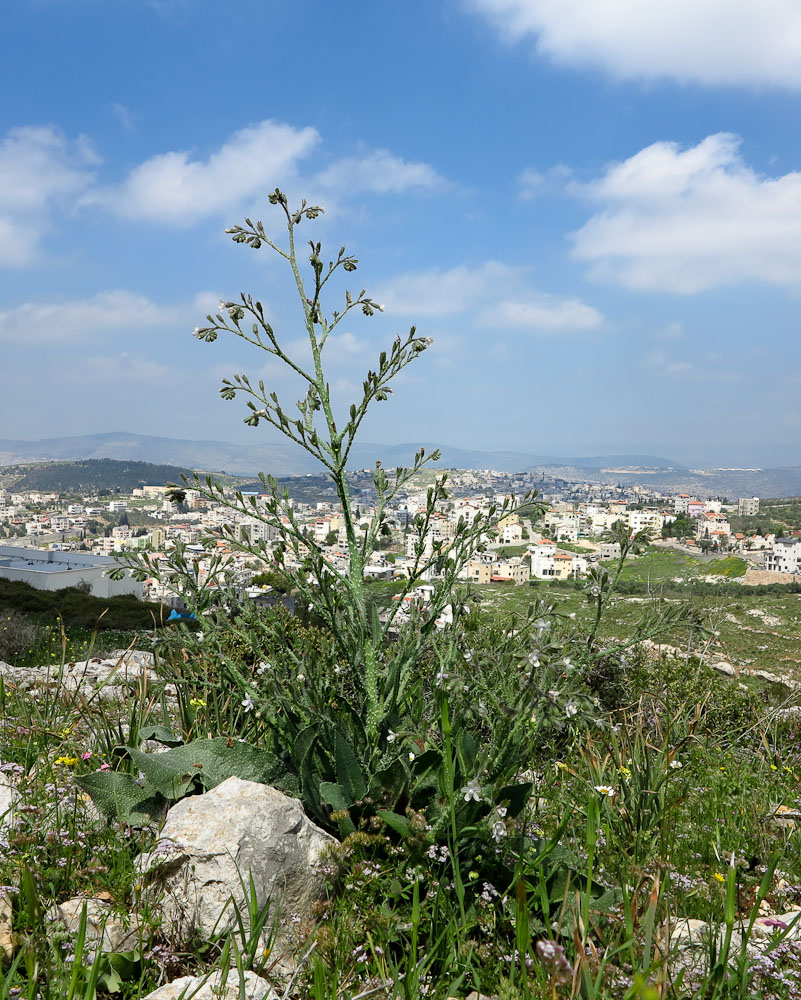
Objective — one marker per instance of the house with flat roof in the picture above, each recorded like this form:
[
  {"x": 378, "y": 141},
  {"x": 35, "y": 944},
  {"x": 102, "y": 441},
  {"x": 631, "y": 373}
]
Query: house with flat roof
[{"x": 47, "y": 569}]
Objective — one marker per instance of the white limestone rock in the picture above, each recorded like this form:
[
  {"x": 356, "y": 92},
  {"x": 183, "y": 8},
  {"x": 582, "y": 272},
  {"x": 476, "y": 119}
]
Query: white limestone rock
[
  {"x": 210, "y": 847},
  {"x": 200, "y": 988},
  {"x": 104, "y": 930}
]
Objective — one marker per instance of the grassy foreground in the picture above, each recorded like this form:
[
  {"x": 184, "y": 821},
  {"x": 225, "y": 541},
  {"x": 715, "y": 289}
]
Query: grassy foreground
[{"x": 548, "y": 865}]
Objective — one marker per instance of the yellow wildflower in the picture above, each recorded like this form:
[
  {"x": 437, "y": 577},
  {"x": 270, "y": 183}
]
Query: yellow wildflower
[
  {"x": 67, "y": 761},
  {"x": 718, "y": 877}
]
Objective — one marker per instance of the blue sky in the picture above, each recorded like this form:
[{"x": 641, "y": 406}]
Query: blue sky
[{"x": 593, "y": 207}]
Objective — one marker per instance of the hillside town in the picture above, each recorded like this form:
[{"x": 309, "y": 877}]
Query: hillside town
[{"x": 49, "y": 539}]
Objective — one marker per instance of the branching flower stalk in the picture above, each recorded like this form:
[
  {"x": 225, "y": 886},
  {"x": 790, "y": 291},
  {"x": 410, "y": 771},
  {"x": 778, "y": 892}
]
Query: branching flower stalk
[{"x": 337, "y": 595}]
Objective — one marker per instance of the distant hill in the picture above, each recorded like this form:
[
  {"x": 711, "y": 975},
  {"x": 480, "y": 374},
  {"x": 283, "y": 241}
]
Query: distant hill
[
  {"x": 285, "y": 459},
  {"x": 91, "y": 475},
  {"x": 731, "y": 483}
]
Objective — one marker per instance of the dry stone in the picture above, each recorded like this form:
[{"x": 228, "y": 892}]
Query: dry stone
[
  {"x": 6, "y": 801},
  {"x": 103, "y": 929},
  {"x": 210, "y": 847},
  {"x": 109, "y": 678},
  {"x": 6, "y": 934},
  {"x": 200, "y": 988}
]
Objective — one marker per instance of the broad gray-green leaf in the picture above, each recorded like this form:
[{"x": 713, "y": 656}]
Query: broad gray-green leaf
[{"x": 119, "y": 796}]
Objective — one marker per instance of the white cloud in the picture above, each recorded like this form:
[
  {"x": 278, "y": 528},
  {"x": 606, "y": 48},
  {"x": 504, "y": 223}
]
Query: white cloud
[
  {"x": 533, "y": 184},
  {"x": 105, "y": 312},
  {"x": 40, "y": 171},
  {"x": 123, "y": 116},
  {"x": 752, "y": 42},
  {"x": 445, "y": 293},
  {"x": 685, "y": 220},
  {"x": 495, "y": 293},
  {"x": 666, "y": 365},
  {"x": 380, "y": 172},
  {"x": 124, "y": 367},
  {"x": 543, "y": 312},
  {"x": 175, "y": 189}
]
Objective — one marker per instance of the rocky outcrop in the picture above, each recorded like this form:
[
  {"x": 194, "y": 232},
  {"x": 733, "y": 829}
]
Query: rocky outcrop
[
  {"x": 212, "y": 845},
  {"x": 202, "y": 988},
  {"x": 690, "y": 941},
  {"x": 110, "y": 678},
  {"x": 104, "y": 931}
]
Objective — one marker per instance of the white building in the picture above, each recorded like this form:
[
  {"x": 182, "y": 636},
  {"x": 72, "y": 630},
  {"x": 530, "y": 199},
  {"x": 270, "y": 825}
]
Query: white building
[
  {"x": 785, "y": 557},
  {"x": 52, "y": 570},
  {"x": 748, "y": 506}
]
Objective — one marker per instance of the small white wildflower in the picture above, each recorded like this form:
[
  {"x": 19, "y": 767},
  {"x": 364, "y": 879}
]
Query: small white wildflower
[
  {"x": 301, "y": 678},
  {"x": 247, "y": 703},
  {"x": 554, "y": 695},
  {"x": 411, "y": 755},
  {"x": 676, "y": 764},
  {"x": 571, "y": 709},
  {"x": 441, "y": 676},
  {"x": 567, "y": 662},
  {"x": 533, "y": 659},
  {"x": 502, "y": 810},
  {"x": 471, "y": 791},
  {"x": 498, "y": 831},
  {"x": 606, "y": 790},
  {"x": 391, "y": 737}
]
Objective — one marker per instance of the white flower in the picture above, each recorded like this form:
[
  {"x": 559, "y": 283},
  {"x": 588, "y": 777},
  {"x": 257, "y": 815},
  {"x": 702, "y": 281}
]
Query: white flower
[
  {"x": 391, "y": 737},
  {"x": 441, "y": 676},
  {"x": 571, "y": 709},
  {"x": 498, "y": 831},
  {"x": 222, "y": 306},
  {"x": 247, "y": 703},
  {"x": 301, "y": 678},
  {"x": 676, "y": 764},
  {"x": 263, "y": 667},
  {"x": 471, "y": 791},
  {"x": 411, "y": 755},
  {"x": 502, "y": 811},
  {"x": 606, "y": 790}
]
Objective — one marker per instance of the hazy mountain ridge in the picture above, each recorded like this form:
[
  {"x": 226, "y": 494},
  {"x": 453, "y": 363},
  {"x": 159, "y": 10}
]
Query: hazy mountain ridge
[{"x": 285, "y": 459}]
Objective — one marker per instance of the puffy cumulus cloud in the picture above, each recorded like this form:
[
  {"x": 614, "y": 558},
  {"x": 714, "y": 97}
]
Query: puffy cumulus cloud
[
  {"x": 176, "y": 189},
  {"x": 380, "y": 172},
  {"x": 543, "y": 313},
  {"x": 79, "y": 319},
  {"x": 686, "y": 220},
  {"x": 438, "y": 292},
  {"x": 40, "y": 171},
  {"x": 710, "y": 42},
  {"x": 496, "y": 293}
]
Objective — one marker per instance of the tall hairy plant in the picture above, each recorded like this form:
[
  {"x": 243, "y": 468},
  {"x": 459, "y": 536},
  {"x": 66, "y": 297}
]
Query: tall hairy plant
[{"x": 352, "y": 730}]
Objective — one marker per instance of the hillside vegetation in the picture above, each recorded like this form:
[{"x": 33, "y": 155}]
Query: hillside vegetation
[{"x": 91, "y": 476}]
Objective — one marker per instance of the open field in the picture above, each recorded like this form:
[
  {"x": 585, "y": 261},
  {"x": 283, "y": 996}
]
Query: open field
[{"x": 760, "y": 631}]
